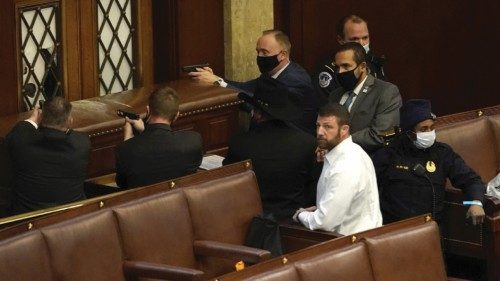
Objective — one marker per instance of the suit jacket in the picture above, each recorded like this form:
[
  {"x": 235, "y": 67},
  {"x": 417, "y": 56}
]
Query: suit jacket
[
  {"x": 298, "y": 83},
  {"x": 325, "y": 81},
  {"x": 157, "y": 154},
  {"x": 375, "y": 110},
  {"x": 284, "y": 163},
  {"x": 49, "y": 166}
]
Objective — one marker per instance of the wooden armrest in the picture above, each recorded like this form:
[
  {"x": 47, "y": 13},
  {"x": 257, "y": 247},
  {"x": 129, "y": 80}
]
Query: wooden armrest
[
  {"x": 230, "y": 251},
  {"x": 136, "y": 269}
]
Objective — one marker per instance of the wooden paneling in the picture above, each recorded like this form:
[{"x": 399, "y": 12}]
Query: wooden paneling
[
  {"x": 165, "y": 38},
  {"x": 444, "y": 51},
  {"x": 8, "y": 65},
  {"x": 199, "y": 36}
]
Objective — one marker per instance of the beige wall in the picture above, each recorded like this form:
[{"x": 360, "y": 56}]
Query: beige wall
[{"x": 244, "y": 21}]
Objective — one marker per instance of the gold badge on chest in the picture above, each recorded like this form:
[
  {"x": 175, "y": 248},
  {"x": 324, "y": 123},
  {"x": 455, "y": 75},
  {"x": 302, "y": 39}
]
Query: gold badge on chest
[{"x": 430, "y": 167}]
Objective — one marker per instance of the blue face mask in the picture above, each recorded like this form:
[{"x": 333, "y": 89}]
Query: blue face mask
[{"x": 425, "y": 139}]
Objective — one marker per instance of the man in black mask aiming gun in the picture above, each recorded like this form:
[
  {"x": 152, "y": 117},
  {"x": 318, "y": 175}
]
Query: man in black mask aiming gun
[{"x": 273, "y": 59}]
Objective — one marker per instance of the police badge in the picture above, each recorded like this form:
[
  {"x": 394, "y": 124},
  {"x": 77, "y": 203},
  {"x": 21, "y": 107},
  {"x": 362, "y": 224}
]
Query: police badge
[{"x": 430, "y": 167}]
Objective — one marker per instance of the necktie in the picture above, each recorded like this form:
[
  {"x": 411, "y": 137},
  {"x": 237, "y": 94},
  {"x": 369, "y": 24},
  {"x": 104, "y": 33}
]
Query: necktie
[{"x": 348, "y": 101}]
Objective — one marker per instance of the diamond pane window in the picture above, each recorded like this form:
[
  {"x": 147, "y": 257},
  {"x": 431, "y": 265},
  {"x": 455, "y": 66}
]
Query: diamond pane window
[
  {"x": 115, "y": 37},
  {"x": 40, "y": 53}
]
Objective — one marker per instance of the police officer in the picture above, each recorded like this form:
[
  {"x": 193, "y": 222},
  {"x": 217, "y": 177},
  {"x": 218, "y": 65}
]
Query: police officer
[
  {"x": 350, "y": 28},
  {"x": 412, "y": 170}
]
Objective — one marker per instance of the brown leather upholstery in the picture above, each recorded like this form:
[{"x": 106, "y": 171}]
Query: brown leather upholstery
[
  {"x": 218, "y": 213},
  {"x": 85, "y": 248},
  {"x": 495, "y": 125},
  {"x": 346, "y": 264},
  {"x": 407, "y": 250},
  {"x": 288, "y": 273},
  {"x": 218, "y": 201},
  {"x": 158, "y": 229},
  {"x": 25, "y": 258},
  {"x": 412, "y": 254},
  {"x": 474, "y": 141}
]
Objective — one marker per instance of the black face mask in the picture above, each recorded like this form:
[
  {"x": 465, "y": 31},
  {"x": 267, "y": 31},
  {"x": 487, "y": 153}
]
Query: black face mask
[
  {"x": 347, "y": 80},
  {"x": 267, "y": 64}
]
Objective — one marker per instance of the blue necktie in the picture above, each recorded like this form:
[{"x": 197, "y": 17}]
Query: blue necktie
[{"x": 348, "y": 101}]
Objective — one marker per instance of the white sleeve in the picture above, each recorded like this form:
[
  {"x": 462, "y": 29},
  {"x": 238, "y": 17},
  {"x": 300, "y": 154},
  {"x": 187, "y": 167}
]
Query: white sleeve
[
  {"x": 32, "y": 123},
  {"x": 341, "y": 188}
]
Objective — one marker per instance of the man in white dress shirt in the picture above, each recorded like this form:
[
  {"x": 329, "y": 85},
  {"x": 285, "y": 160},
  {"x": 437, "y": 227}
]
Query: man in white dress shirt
[{"x": 347, "y": 195}]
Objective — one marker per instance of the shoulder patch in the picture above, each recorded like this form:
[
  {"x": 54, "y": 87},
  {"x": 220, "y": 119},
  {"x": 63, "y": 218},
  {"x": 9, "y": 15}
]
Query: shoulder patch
[{"x": 324, "y": 79}]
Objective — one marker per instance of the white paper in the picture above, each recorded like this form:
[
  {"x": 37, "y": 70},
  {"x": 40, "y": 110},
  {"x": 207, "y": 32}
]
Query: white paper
[{"x": 211, "y": 162}]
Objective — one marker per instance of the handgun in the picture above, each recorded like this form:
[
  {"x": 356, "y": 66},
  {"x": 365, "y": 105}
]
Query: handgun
[
  {"x": 193, "y": 67},
  {"x": 130, "y": 115}
]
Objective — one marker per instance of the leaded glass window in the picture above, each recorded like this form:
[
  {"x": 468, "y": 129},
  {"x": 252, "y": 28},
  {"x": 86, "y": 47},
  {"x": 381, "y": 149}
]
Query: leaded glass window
[
  {"x": 40, "y": 53},
  {"x": 115, "y": 37}
]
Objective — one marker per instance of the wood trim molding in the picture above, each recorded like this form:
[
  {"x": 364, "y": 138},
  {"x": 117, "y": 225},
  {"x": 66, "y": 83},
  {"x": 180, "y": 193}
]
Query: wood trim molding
[
  {"x": 166, "y": 42},
  {"x": 88, "y": 58}
]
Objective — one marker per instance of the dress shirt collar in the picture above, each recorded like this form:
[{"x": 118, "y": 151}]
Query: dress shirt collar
[
  {"x": 360, "y": 85},
  {"x": 281, "y": 70},
  {"x": 332, "y": 154}
]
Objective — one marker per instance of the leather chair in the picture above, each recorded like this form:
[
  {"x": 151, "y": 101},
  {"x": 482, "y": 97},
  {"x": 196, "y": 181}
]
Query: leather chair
[
  {"x": 85, "y": 248},
  {"x": 345, "y": 264},
  {"x": 24, "y": 257},
  {"x": 412, "y": 254},
  {"x": 157, "y": 229},
  {"x": 222, "y": 211}
]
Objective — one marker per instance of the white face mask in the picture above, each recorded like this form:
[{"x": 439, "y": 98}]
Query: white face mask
[
  {"x": 367, "y": 47},
  {"x": 425, "y": 139}
]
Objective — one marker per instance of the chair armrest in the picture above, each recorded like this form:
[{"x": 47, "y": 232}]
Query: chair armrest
[
  {"x": 136, "y": 269},
  {"x": 230, "y": 251}
]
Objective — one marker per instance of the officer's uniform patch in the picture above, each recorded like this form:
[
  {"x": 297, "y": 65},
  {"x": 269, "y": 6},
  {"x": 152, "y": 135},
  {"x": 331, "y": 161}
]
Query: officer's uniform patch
[{"x": 324, "y": 79}]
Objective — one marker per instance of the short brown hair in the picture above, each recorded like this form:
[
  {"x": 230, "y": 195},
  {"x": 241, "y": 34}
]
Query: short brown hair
[
  {"x": 56, "y": 112},
  {"x": 341, "y": 23},
  {"x": 337, "y": 110},
  {"x": 281, "y": 38},
  {"x": 164, "y": 102}
]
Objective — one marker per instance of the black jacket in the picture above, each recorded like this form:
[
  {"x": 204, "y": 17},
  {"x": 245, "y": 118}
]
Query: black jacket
[
  {"x": 298, "y": 83},
  {"x": 284, "y": 162},
  {"x": 49, "y": 166},
  {"x": 157, "y": 154},
  {"x": 404, "y": 194}
]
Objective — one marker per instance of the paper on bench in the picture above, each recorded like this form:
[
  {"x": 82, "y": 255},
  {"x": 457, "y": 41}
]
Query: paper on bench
[{"x": 210, "y": 162}]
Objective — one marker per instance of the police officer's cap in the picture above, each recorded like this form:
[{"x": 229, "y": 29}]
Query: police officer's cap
[{"x": 413, "y": 112}]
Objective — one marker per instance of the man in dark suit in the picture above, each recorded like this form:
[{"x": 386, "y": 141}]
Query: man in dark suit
[
  {"x": 373, "y": 104},
  {"x": 282, "y": 156},
  {"x": 273, "y": 60},
  {"x": 158, "y": 153},
  {"x": 49, "y": 162}
]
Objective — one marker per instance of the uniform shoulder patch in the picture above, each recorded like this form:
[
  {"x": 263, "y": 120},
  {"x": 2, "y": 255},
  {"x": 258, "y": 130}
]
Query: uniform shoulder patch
[{"x": 324, "y": 79}]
